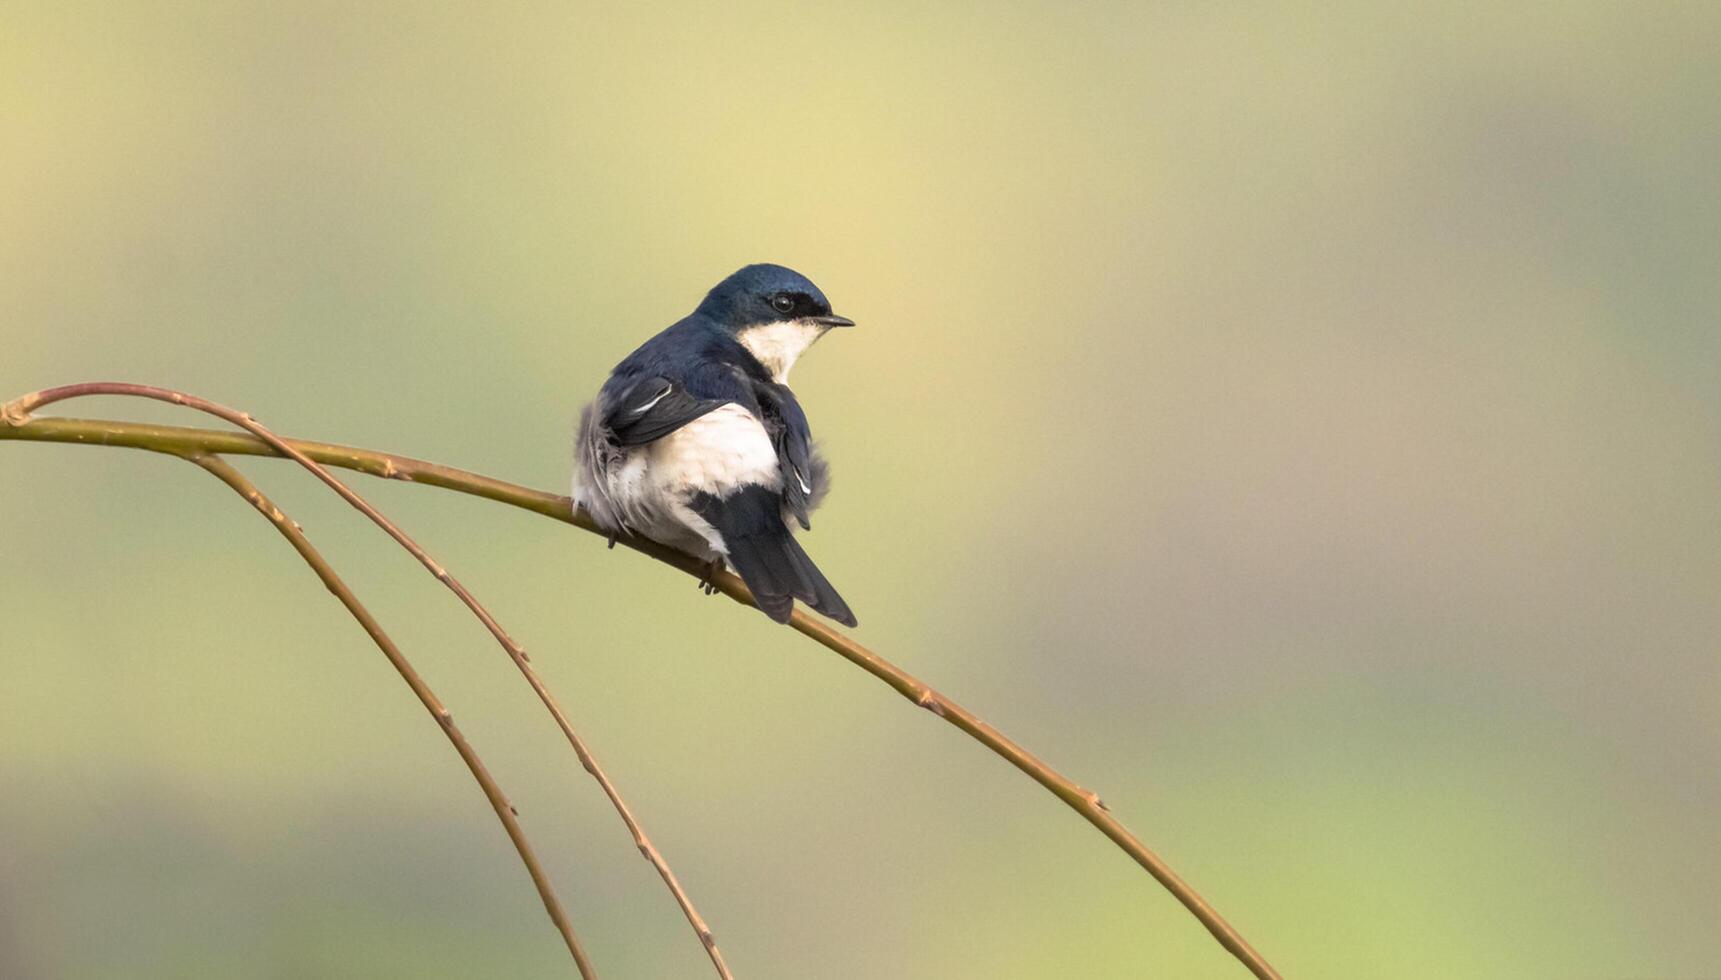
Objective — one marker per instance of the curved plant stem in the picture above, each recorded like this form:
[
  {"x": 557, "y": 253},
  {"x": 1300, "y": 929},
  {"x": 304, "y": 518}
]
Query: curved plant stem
[
  {"x": 15, "y": 423},
  {"x": 225, "y": 472},
  {"x": 515, "y": 653}
]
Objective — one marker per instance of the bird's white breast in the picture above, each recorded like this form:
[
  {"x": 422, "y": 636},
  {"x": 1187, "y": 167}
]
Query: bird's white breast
[
  {"x": 649, "y": 489},
  {"x": 779, "y": 345},
  {"x": 715, "y": 453}
]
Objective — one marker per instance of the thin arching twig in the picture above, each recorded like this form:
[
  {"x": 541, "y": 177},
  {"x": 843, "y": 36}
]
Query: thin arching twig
[
  {"x": 225, "y": 472},
  {"x": 515, "y": 653},
  {"x": 15, "y": 424}
]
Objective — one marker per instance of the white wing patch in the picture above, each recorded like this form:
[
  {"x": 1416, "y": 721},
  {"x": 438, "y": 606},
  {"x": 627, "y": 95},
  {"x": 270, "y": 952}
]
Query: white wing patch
[{"x": 660, "y": 397}]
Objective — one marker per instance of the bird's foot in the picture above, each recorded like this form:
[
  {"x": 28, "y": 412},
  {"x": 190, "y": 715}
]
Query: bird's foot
[{"x": 708, "y": 580}]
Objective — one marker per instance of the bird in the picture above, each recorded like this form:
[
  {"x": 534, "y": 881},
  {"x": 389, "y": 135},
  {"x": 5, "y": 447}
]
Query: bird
[{"x": 695, "y": 440}]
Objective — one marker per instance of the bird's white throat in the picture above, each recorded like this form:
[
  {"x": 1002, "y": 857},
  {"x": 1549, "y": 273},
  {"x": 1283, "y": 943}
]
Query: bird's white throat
[{"x": 779, "y": 345}]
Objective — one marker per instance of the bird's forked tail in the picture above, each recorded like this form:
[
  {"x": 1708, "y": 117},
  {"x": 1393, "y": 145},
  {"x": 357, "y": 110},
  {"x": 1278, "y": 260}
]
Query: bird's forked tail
[{"x": 772, "y": 563}]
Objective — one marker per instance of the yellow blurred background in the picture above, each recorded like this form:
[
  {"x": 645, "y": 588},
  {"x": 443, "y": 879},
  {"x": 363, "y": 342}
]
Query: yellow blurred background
[{"x": 1298, "y": 424}]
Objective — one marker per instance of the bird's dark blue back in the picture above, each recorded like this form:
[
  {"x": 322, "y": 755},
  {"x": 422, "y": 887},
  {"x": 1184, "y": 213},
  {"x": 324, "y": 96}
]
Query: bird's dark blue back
[{"x": 697, "y": 355}]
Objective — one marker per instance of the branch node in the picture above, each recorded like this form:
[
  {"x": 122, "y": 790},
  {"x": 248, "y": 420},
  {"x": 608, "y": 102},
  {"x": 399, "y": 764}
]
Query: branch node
[{"x": 929, "y": 699}]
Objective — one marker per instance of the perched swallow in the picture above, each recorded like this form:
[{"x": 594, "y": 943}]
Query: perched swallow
[{"x": 696, "y": 441}]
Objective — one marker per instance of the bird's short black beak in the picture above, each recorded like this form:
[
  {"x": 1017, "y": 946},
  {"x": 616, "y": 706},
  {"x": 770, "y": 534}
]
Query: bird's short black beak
[{"x": 833, "y": 321}]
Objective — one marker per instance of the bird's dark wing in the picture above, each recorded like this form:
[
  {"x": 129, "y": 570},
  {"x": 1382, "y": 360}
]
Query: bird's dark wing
[
  {"x": 793, "y": 438},
  {"x": 647, "y": 409}
]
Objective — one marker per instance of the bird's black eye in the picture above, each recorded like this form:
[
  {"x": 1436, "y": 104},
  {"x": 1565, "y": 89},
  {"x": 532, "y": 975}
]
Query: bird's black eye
[{"x": 782, "y": 302}]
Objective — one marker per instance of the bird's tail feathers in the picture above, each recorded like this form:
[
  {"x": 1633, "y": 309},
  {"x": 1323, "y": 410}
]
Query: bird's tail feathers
[{"x": 775, "y": 567}]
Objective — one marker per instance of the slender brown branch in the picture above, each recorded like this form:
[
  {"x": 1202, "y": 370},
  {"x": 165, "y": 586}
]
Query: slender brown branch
[
  {"x": 515, "y": 653},
  {"x": 15, "y": 424},
  {"x": 505, "y": 812}
]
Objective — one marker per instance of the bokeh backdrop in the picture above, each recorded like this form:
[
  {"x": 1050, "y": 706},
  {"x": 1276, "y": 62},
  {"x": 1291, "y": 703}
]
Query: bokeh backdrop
[{"x": 1299, "y": 423}]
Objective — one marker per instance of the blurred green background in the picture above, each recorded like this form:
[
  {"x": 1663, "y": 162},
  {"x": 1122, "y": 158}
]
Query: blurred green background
[{"x": 1299, "y": 424}]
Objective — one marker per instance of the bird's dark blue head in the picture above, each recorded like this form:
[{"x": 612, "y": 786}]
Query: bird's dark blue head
[{"x": 763, "y": 294}]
